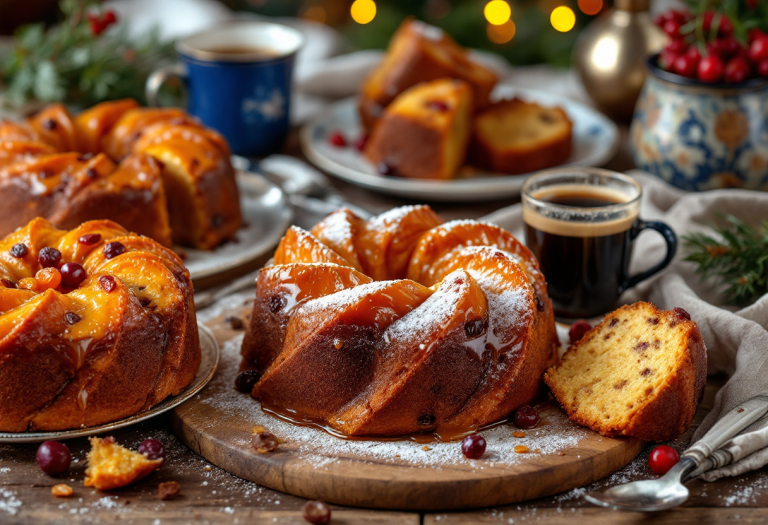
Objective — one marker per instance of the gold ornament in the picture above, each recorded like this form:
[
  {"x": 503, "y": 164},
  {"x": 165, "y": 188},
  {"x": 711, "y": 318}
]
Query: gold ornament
[{"x": 611, "y": 52}]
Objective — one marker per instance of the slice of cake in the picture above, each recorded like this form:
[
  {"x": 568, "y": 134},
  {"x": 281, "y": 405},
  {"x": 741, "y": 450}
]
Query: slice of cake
[
  {"x": 640, "y": 373},
  {"x": 514, "y": 136},
  {"x": 419, "y": 53},
  {"x": 112, "y": 466},
  {"x": 424, "y": 133}
]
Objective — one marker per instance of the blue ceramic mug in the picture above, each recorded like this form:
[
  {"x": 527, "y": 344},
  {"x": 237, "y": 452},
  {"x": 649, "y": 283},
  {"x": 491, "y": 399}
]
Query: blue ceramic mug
[{"x": 238, "y": 81}]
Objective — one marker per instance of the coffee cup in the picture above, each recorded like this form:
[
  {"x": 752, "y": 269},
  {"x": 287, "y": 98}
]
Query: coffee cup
[
  {"x": 581, "y": 224},
  {"x": 237, "y": 79}
]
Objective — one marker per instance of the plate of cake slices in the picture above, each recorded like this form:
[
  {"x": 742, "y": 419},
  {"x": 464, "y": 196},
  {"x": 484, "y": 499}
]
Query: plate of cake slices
[{"x": 431, "y": 123}]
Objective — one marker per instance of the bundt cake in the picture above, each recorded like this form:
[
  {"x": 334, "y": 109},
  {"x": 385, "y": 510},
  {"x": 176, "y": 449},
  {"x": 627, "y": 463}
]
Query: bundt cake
[
  {"x": 514, "y": 136},
  {"x": 101, "y": 319},
  {"x": 640, "y": 372},
  {"x": 111, "y": 466},
  {"x": 399, "y": 324},
  {"x": 173, "y": 182},
  {"x": 420, "y": 53},
  {"x": 424, "y": 132}
]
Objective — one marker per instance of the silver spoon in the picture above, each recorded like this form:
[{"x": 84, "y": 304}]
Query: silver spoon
[{"x": 668, "y": 491}]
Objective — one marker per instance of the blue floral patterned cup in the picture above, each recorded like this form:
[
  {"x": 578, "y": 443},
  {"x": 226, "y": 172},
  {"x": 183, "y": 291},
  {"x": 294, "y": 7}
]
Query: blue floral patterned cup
[
  {"x": 238, "y": 81},
  {"x": 700, "y": 136}
]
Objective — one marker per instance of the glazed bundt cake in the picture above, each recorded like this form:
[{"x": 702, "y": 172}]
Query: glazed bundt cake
[
  {"x": 514, "y": 136},
  {"x": 102, "y": 320},
  {"x": 420, "y": 53},
  {"x": 640, "y": 372},
  {"x": 173, "y": 180},
  {"x": 424, "y": 132},
  {"x": 400, "y": 324}
]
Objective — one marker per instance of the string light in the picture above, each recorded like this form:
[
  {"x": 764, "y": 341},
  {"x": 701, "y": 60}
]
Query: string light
[
  {"x": 497, "y": 12},
  {"x": 363, "y": 11},
  {"x": 501, "y": 34},
  {"x": 563, "y": 19},
  {"x": 590, "y": 7}
]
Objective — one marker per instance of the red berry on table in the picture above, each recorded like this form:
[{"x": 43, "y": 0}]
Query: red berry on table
[
  {"x": 316, "y": 513},
  {"x": 526, "y": 417},
  {"x": 710, "y": 68},
  {"x": 152, "y": 448},
  {"x": 662, "y": 459},
  {"x": 577, "y": 331},
  {"x": 53, "y": 457},
  {"x": 685, "y": 66},
  {"x": 473, "y": 447},
  {"x": 736, "y": 70},
  {"x": 758, "y": 49},
  {"x": 762, "y": 68},
  {"x": 672, "y": 28},
  {"x": 337, "y": 139}
]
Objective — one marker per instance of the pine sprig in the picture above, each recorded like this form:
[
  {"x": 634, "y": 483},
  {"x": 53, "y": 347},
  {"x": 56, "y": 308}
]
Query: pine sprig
[
  {"x": 737, "y": 254},
  {"x": 74, "y": 62}
]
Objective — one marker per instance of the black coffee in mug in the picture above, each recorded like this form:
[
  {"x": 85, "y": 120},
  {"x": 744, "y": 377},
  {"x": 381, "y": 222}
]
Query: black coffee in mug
[{"x": 580, "y": 223}]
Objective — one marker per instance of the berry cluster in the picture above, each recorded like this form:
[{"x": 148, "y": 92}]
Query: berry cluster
[
  {"x": 707, "y": 47},
  {"x": 99, "y": 23}
]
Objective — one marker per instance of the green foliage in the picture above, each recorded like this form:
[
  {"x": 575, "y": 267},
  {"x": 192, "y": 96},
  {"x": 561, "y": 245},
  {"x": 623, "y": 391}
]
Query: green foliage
[
  {"x": 68, "y": 62},
  {"x": 737, "y": 254}
]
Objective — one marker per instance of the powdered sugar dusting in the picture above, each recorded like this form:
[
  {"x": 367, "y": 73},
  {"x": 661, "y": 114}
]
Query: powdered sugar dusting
[{"x": 9, "y": 503}]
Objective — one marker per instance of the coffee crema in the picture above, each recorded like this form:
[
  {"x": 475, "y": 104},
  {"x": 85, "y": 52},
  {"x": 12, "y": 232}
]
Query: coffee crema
[{"x": 581, "y": 214}]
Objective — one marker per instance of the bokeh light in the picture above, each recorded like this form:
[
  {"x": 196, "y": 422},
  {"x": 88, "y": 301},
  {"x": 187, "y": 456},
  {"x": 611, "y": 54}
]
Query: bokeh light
[
  {"x": 501, "y": 34},
  {"x": 315, "y": 13},
  {"x": 363, "y": 11},
  {"x": 497, "y": 12},
  {"x": 563, "y": 19},
  {"x": 590, "y": 7}
]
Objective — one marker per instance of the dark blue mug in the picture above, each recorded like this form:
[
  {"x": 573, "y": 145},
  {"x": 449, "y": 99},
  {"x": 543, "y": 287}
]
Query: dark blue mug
[{"x": 238, "y": 81}]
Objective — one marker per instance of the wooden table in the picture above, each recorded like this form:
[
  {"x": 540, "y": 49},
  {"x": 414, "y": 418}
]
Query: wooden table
[{"x": 211, "y": 495}]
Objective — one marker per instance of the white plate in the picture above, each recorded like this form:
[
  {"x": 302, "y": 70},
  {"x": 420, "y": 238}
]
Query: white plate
[
  {"x": 595, "y": 141},
  {"x": 210, "y": 353},
  {"x": 266, "y": 214}
]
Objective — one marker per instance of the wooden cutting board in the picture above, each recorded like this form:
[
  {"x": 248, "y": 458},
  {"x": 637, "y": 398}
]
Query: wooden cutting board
[{"x": 218, "y": 424}]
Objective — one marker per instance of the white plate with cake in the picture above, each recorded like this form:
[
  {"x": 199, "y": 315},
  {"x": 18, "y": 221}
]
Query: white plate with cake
[{"x": 430, "y": 123}]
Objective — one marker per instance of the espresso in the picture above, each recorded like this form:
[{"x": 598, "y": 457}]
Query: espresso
[
  {"x": 259, "y": 53},
  {"x": 585, "y": 262}
]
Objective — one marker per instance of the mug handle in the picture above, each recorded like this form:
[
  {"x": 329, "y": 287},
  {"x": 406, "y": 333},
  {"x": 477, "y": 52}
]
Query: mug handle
[
  {"x": 669, "y": 237},
  {"x": 158, "y": 77}
]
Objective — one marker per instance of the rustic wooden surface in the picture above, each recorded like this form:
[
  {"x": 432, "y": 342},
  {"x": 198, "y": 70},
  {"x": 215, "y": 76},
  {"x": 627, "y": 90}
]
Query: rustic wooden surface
[
  {"x": 217, "y": 433},
  {"x": 210, "y": 495}
]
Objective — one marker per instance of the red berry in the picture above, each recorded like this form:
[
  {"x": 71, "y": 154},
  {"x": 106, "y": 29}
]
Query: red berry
[
  {"x": 762, "y": 68},
  {"x": 316, "y": 513},
  {"x": 660, "y": 19},
  {"x": 672, "y": 28},
  {"x": 337, "y": 139},
  {"x": 676, "y": 46},
  {"x": 685, "y": 66},
  {"x": 107, "y": 283},
  {"x": 694, "y": 53},
  {"x": 728, "y": 45},
  {"x": 361, "y": 142},
  {"x": 726, "y": 26},
  {"x": 53, "y": 457},
  {"x": 89, "y": 239},
  {"x": 737, "y": 70},
  {"x": 758, "y": 49},
  {"x": 245, "y": 380},
  {"x": 113, "y": 249},
  {"x": 680, "y": 16},
  {"x": 525, "y": 417},
  {"x": 667, "y": 60},
  {"x": 97, "y": 27},
  {"x": 109, "y": 17},
  {"x": 473, "y": 447},
  {"x": 710, "y": 68},
  {"x": 662, "y": 459},
  {"x": 706, "y": 23},
  {"x": 72, "y": 274},
  {"x": 49, "y": 257},
  {"x": 577, "y": 331},
  {"x": 152, "y": 448},
  {"x": 753, "y": 34},
  {"x": 19, "y": 250}
]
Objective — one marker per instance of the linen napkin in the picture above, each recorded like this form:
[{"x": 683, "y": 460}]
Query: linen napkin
[{"x": 736, "y": 340}]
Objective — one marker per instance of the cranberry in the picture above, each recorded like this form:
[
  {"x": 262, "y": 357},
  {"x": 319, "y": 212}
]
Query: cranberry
[
  {"x": 72, "y": 274},
  {"x": 19, "y": 250},
  {"x": 725, "y": 28},
  {"x": 50, "y": 124},
  {"x": 672, "y": 28},
  {"x": 113, "y": 249},
  {"x": 685, "y": 66},
  {"x": 152, "y": 448},
  {"x": 762, "y": 68},
  {"x": 53, "y": 457},
  {"x": 473, "y": 447},
  {"x": 110, "y": 17},
  {"x": 758, "y": 49},
  {"x": 8, "y": 283},
  {"x": 577, "y": 331},
  {"x": 710, "y": 68},
  {"x": 662, "y": 459},
  {"x": 526, "y": 417},
  {"x": 385, "y": 168},
  {"x": 264, "y": 442},
  {"x": 245, "y": 380},
  {"x": 682, "y": 313},
  {"x": 337, "y": 139},
  {"x": 72, "y": 318},
  {"x": 737, "y": 70},
  {"x": 90, "y": 239},
  {"x": 49, "y": 257},
  {"x": 707, "y": 20},
  {"x": 107, "y": 283},
  {"x": 316, "y": 512},
  {"x": 728, "y": 45},
  {"x": 754, "y": 34},
  {"x": 667, "y": 60},
  {"x": 361, "y": 142},
  {"x": 694, "y": 52},
  {"x": 438, "y": 105},
  {"x": 676, "y": 46}
]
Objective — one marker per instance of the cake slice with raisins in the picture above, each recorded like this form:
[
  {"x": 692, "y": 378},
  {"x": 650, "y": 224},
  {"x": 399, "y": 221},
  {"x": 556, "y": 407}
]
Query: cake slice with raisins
[{"x": 640, "y": 373}]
